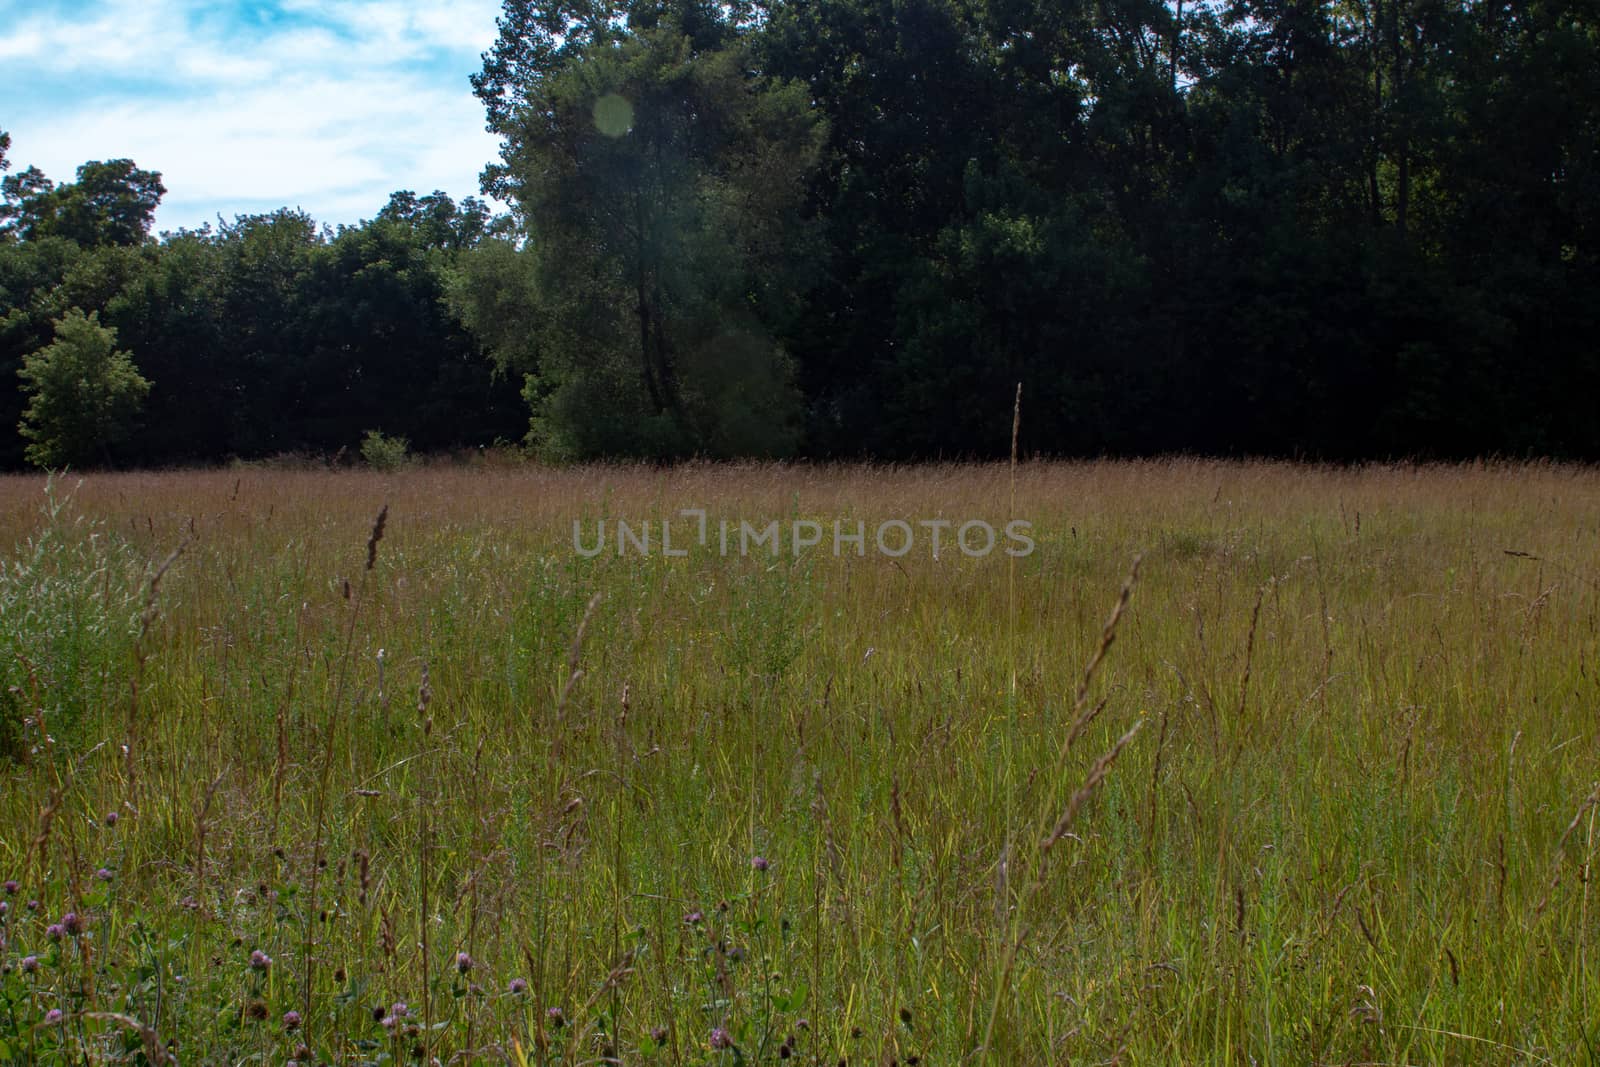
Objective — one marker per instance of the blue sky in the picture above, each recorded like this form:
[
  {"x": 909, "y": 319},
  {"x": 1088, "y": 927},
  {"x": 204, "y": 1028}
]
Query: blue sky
[{"x": 325, "y": 106}]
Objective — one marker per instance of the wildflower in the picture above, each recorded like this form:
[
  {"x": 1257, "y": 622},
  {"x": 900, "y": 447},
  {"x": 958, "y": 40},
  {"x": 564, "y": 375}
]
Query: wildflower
[
  {"x": 291, "y": 1021},
  {"x": 33, "y": 905},
  {"x": 695, "y": 918},
  {"x": 5, "y": 908},
  {"x": 257, "y": 1010},
  {"x": 104, "y": 874},
  {"x": 760, "y": 863},
  {"x": 11, "y": 887},
  {"x": 52, "y": 1017},
  {"x": 30, "y": 965},
  {"x": 53, "y": 932},
  {"x": 658, "y": 1034},
  {"x": 400, "y": 1009},
  {"x": 260, "y": 961},
  {"x": 518, "y": 987},
  {"x": 463, "y": 962},
  {"x": 555, "y": 1016},
  {"x": 111, "y": 818},
  {"x": 72, "y": 923},
  {"x": 720, "y": 1039}
]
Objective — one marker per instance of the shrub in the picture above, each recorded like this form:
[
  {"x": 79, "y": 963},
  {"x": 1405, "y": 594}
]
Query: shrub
[
  {"x": 83, "y": 393},
  {"x": 385, "y": 453}
]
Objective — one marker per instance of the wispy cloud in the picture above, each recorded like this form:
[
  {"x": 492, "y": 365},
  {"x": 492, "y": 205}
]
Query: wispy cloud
[{"x": 244, "y": 107}]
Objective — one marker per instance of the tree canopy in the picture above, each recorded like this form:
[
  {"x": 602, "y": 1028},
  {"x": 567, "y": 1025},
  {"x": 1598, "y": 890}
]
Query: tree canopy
[
  {"x": 269, "y": 334},
  {"x": 111, "y": 203},
  {"x": 660, "y": 188}
]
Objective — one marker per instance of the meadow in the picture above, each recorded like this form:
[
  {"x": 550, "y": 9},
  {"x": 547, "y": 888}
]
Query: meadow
[{"x": 1316, "y": 785}]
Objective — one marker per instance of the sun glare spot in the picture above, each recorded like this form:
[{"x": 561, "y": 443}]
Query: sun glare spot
[{"x": 613, "y": 116}]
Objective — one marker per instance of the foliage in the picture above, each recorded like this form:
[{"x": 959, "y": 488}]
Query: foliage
[
  {"x": 385, "y": 453},
  {"x": 84, "y": 394},
  {"x": 438, "y": 220},
  {"x": 111, "y": 203},
  {"x": 1344, "y": 230},
  {"x": 271, "y": 335},
  {"x": 659, "y": 185}
]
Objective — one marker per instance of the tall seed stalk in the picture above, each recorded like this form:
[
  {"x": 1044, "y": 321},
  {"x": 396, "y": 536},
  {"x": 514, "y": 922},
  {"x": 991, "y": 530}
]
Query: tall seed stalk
[
  {"x": 1047, "y": 834},
  {"x": 330, "y": 733}
]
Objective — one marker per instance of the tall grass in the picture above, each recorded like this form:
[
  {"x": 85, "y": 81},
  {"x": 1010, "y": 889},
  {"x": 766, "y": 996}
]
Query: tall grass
[
  {"x": 709, "y": 810},
  {"x": 69, "y": 600}
]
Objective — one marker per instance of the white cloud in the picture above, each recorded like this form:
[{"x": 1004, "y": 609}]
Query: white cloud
[
  {"x": 330, "y": 110},
  {"x": 112, "y": 36},
  {"x": 25, "y": 43}
]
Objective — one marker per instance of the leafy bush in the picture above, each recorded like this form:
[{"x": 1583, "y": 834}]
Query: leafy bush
[
  {"x": 385, "y": 453},
  {"x": 83, "y": 393},
  {"x": 69, "y": 616}
]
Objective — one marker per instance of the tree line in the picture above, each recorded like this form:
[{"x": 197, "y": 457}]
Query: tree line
[
  {"x": 1345, "y": 229},
  {"x": 266, "y": 335}
]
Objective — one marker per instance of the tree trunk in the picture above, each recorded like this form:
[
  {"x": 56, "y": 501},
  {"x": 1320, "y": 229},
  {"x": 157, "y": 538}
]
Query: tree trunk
[
  {"x": 1371, "y": 26},
  {"x": 650, "y": 383},
  {"x": 1397, "y": 103}
]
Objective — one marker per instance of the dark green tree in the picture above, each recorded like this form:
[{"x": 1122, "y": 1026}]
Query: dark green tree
[
  {"x": 439, "y": 222},
  {"x": 384, "y": 351},
  {"x": 660, "y": 190},
  {"x": 30, "y": 273},
  {"x": 113, "y": 203}
]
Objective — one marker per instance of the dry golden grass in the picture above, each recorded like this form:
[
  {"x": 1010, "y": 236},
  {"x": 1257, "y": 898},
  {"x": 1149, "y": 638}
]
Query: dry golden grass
[{"x": 1354, "y": 823}]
